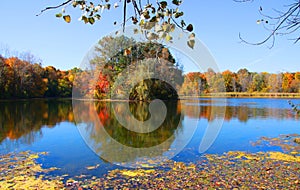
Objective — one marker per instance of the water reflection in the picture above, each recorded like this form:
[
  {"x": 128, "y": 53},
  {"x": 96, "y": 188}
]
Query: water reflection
[
  {"x": 21, "y": 122},
  {"x": 115, "y": 143},
  {"x": 241, "y": 109}
]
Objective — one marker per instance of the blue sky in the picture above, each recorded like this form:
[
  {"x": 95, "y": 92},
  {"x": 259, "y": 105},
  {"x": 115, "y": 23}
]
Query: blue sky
[{"x": 216, "y": 23}]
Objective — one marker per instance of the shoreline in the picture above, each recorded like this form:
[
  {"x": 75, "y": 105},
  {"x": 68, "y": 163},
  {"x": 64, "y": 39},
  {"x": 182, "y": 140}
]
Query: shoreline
[
  {"x": 247, "y": 95},
  {"x": 267, "y": 95}
]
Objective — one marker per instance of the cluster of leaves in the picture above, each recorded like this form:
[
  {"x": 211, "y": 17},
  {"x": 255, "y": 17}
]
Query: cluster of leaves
[
  {"x": 262, "y": 170},
  {"x": 242, "y": 81},
  {"x": 157, "y": 20},
  {"x": 20, "y": 171},
  {"x": 230, "y": 170},
  {"x": 22, "y": 79},
  {"x": 288, "y": 143}
]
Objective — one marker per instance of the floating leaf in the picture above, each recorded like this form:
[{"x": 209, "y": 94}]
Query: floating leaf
[{"x": 92, "y": 167}]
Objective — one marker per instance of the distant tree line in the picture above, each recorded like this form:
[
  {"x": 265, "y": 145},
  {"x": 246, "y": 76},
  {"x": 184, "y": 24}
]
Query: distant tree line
[
  {"x": 22, "y": 79},
  {"x": 241, "y": 81}
]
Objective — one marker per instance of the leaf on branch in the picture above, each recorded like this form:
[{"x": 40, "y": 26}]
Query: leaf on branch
[
  {"x": 135, "y": 31},
  {"x": 163, "y": 4},
  {"x": 116, "y": 5},
  {"x": 58, "y": 15},
  {"x": 192, "y": 36},
  {"x": 182, "y": 23},
  {"x": 74, "y": 4},
  {"x": 85, "y": 19},
  {"x": 91, "y": 20},
  {"x": 191, "y": 43},
  {"x": 258, "y": 21},
  {"x": 178, "y": 14},
  {"x": 97, "y": 16},
  {"x": 67, "y": 18},
  {"x": 190, "y": 28},
  {"x": 177, "y": 2},
  {"x": 107, "y": 6},
  {"x": 168, "y": 38},
  {"x": 134, "y": 20}
]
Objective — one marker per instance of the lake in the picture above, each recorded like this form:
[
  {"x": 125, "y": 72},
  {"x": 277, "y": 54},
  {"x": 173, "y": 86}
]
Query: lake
[{"x": 79, "y": 134}]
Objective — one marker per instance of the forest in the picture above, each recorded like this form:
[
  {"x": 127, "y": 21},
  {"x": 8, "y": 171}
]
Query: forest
[
  {"x": 23, "y": 79},
  {"x": 240, "y": 81}
]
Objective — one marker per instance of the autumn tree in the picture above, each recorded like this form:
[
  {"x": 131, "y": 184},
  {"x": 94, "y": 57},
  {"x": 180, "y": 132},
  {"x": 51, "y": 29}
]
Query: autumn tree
[
  {"x": 120, "y": 57},
  {"x": 274, "y": 83},
  {"x": 229, "y": 81},
  {"x": 287, "y": 81},
  {"x": 22, "y": 79},
  {"x": 257, "y": 83},
  {"x": 244, "y": 79},
  {"x": 5, "y": 79},
  {"x": 195, "y": 83}
]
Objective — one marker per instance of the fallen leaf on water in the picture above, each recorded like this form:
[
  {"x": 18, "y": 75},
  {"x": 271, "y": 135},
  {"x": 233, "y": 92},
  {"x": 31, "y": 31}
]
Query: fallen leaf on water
[{"x": 92, "y": 167}]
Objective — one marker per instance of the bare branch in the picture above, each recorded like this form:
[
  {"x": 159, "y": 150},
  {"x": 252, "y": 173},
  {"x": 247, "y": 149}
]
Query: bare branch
[
  {"x": 55, "y": 7},
  {"x": 124, "y": 15},
  {"x": 287, "y": 22}
]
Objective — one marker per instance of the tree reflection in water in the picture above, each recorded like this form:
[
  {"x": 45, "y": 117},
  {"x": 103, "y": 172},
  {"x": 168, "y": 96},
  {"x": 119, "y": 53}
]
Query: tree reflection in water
[
  {"x": 108, "y": 138},
  {"x": 22, "y": 121}
]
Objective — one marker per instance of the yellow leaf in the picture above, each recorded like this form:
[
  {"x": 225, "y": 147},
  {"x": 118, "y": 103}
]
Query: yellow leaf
[
  {"x": 283, "y": 157},
  {"x": 67, "y": 18}
]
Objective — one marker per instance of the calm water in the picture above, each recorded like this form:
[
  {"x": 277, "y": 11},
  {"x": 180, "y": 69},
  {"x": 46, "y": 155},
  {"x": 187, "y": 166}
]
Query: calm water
[{"x": 74, "y": 140}]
